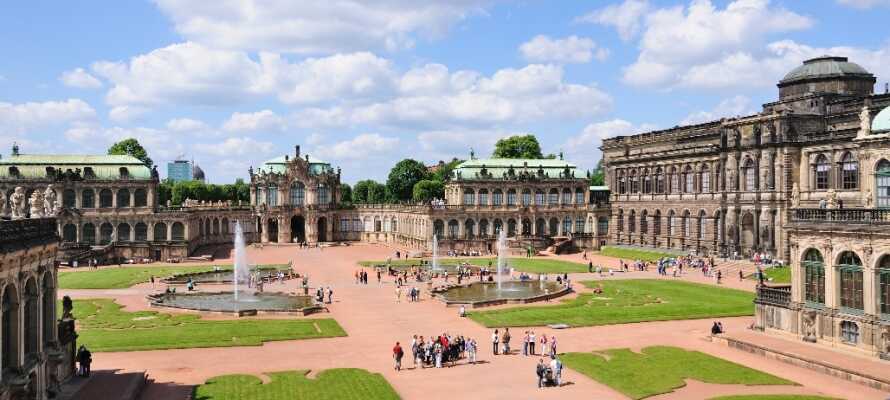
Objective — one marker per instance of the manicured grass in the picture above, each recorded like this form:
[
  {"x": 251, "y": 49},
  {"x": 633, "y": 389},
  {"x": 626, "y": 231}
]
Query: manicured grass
[
  {"x": 775, "y": 275},
  {"x": 626, "y": 301},
  {"x": 634, "y": 254},
  {"x": 103, "y": 326},
  {"x": 774, "y": 397},
  {"x": 660, "y": 369},
  {"x": 124, "y": 277},
  {"x": 533, "y": 265},
  {"x": 332, "y": 384}
]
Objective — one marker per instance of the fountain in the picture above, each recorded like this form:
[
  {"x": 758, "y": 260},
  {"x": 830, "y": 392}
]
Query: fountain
[
  {"x": 502, "y": 255},
  {"x": 435, "y": 248},
  {"x": 241, "y": 271}
]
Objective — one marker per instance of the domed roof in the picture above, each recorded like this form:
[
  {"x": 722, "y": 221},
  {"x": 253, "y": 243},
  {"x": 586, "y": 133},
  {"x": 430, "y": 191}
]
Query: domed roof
[
  {"x": 826, "y": 67},
  {"x": 197, "y": 173},
  {"x": 881, "y": 122}
]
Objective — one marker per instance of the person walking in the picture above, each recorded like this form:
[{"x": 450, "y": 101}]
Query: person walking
[
  {"x": 531, "y": 343},
  {"x": 330, "y": 295},
  {"x": 539, "y": 370},
  {"x": 525, "y": 344},
  {"x": 506, "y": 341},
  {"x": 471, "y": 350},
  {"x": 552, "y": 346},
  {"x": 494, "y": 341},
  {"x": 398, "y": 294},
  {"x": 556, "y": 368},
  {"x": 397, "y": 354}
]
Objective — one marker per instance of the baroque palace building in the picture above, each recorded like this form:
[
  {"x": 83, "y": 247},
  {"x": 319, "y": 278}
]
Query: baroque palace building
[
  {"x": 806, "y": 180},
  {"x": 534, "y": 201}
]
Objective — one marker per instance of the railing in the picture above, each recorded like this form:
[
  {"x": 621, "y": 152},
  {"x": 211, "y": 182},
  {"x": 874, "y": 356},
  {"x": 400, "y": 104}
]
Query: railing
[
  {"x": 842, "y": 215},
  {"x": 775, "y": 295}
]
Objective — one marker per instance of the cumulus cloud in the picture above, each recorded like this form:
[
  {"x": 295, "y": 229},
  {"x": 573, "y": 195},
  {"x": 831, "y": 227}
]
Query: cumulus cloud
[
  {"x": 264, "y": 120},
  {"x": 731, "y": 107},
  {"x": 236, "y": 146},
  {"x": 315, "y": 26},
  {"x": 187, "y": 125},
  {"x": 626, "y": 17},
  {"x": 572, "y": 49},
  {"x": 126, "y": 113},
  {"x": 23, "y": 117},
  {"x": 581, "y": 147},
  {"x": 320, "y": 79},
  {"x": 80, "y": 78},
  {"x": 359, "y": 148},
  {"x": 864, "y": 4}
]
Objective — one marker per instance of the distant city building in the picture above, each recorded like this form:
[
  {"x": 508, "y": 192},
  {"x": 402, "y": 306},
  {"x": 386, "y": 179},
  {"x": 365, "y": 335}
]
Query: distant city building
[
  {"x": 197, "y": 173},
  {"x": 180, "y": 170}
]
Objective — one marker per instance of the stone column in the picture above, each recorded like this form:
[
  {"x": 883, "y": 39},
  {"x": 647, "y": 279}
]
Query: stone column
[
  {"x": 832, "y": 287},
  {"x": 114, "y": 197},
  {"x": 78, "y": 197},
  {"x": 170, "y": 231}
]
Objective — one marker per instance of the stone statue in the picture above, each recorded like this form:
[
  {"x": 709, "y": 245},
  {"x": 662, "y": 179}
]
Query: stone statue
[
  {"x": 49, "y": 201},
  {"x": 36, "y": 204},
  {"x": 868, "y": 199},
  {"x": 2, "y": 203},
  {"x": 17, "y": 202},
  {"x": 832, "y": 199},
  {"x": 886, "y": 336},
  {"x": 67, "y": 306},
  {"x": 795, "y": 195},
  {"x": 809, "y": 326},
  {"x": 864, "y": 123}
]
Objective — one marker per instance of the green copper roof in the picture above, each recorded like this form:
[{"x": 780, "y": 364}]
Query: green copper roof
[
  {"x": 881, "y": 122},
  {"x": 105, "y": 167},
  {"x": 279, "y": 165},
  {"x": 824, "y": 67},
  {"x": 499, "y": 168}
]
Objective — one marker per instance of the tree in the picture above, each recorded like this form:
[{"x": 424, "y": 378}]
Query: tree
[
  {"x": 444, "y": 171},
  {"x": 426, "y": 190},
  {"x": 598, "y": 176},
  {"x": 360, "y": 191},
  {"x": 345, "y": 193},
  {"x": 131, "y": 147},
  {"x": 520, "y": 146},
  {"x": 402, "y": 178},
  {"x": 377, "y": 193}
]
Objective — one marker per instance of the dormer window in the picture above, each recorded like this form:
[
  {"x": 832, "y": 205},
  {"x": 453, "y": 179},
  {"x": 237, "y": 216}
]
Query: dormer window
[
  {"x": 88, "y": 173},
  {"x": 14, "y": 172},
  {"x": 50, "y": 172},
  {"x": 124, "y": 173}
]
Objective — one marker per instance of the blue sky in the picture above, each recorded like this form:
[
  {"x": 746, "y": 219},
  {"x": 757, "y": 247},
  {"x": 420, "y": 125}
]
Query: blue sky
[{"x": 362, "y": 84}]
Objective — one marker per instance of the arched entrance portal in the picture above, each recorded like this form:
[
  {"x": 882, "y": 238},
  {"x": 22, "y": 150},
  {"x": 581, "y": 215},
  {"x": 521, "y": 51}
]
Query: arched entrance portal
[
  {"x": 273, "y": 231},
  {"x": 747, "y": 237},
  {"x": 322, "y": 229},
  {"x": 298, "y": 229}
]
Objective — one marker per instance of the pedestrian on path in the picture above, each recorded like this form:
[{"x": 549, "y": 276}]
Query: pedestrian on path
[
  {"x": 539, "y": 370},
  {"x": 531, "y": 343},
  {"x": 494, "y": 341},
  {"x": 397, "y": 354},
  {"x": 398, "y": 294}
]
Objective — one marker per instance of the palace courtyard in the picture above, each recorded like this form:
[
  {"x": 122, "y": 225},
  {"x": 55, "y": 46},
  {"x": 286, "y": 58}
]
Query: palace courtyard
[{"x": 691, "y": 366}]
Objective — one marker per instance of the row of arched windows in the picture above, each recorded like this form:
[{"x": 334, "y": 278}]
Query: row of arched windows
[
  {"x": 848, "y": 267},
  {"x": 125, "y": 232},
  {"x": 661, "y": 181},
  {"x": 542, "y": 227},
  {"x": 35, "y": 328},
  {"x": 268, "y": 194},
  {"x": 686, "y": 224},
  {"x": 845, "y": 172},
  {"x": 526, "y": 197}
]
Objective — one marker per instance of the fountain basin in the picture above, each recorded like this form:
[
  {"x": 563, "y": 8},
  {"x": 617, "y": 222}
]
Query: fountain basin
[
  {"x": 218, "y": 277},
  {"x": 482, "y": 294},
  {"x": 451, "y": 268},
  {"x": 248, "y": 304}
]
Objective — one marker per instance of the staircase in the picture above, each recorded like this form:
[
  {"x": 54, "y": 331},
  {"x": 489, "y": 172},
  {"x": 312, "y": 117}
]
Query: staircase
[
  {"x": 731, "y": 268},
  {"x": 105, "y": 384},
  {"x": 561, "y": 245}
]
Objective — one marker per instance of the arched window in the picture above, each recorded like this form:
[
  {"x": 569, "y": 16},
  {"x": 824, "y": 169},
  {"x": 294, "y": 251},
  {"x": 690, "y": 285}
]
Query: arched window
[
  {"x": 849, "y": 172},
  {"x": 659, "y": 180},
  {"x": 497, "y": 198},
  {"x": 483, "y": 228},
  {"x": 324, "y": 194},
  {"x": 705, "y": 179},
  {"x": 526, "y": 197},
  {"x": 687, "y": 228},
  {"x": 88, "y": 233},
  {"x": 567, "y": 225},
  {"x": 814, "y": 277},
  {"x": 49, "y": 308},
  {"x": 106, "y": 231},
  {"x": 553, "y": 197},
  {"x": 750, "y": 175},
  {"x": 671, "y": 223},
  {"x": 141, "y": 232},
  {"x": 497, "y": 226},
  {"x": 647, "y": 182},
  {"x": 689, "y": 180},
  {"x": 602, "y": 225},
  {"x": 634, "y": 183},
  {"x": 140, "y": 198},
  {"x": 32, "y": 320},
  {"x": 178, "y": 231},
  {"x": 69, "y": 233},
  {"x": 622, "y": 183},
  {"x": 69, "y": 198},
  {"x": 620, "y": 221},
  {"x": 11, "y": 325},
  {"x": 123, "y": 232},
  {"x": 123, "y": 198},
  {"x": 884, "y": 286},
  {"x": 216, "y": 226},
  {"x": 566, "y": 196},
  {"x": 579, "y": 196},
  {"x": 88, "y": 199},
  {"x": 882, "y": 184},
  {"x": 438, "y": 228},
  {"x": 105, "y": 198},
  {"x": 632, "y": 222},
  {"x": 579, "y": 225},
  {"x": 675, "y": 180},
  {"x": 272, "y": 195},
  {"x": 124, "y": 172},
  {"x": 225, "y": 226},
  {"x": 820, "y": 172},
  {"x": 656, "y": 223},
  {"x": 160, "y": 232},
  {"x": 469, "y": 228},
  {"x": 702, "y": 224},
  {"x": 718, "y": 226},
  {"x": 644, "y": 222},
  {"x": 850, "y": 269},
  {"x": 469, "y": 197},
  {"x": 554, "y": 227},
  {"x": 297, "y": 194},
  {"x": 540, "y": 198},
  {"x": 483, "y": 197},
  {"x": 511, "y": 197},
  {"x": 511, "y": 227}
]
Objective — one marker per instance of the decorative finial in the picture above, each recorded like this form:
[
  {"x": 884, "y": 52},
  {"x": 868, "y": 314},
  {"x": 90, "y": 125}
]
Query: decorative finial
[
  {"x": 472, "y": 154},
  {"x": 15, "y": 148},
  {"x": 560, "y": 155}
]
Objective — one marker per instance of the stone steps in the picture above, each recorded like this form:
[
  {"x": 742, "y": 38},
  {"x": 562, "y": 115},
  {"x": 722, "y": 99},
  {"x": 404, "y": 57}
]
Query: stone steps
[{"x": 105, "y": 384}]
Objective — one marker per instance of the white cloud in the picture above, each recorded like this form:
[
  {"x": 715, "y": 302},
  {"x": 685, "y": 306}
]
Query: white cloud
[
  {"x": 187, "y": 125},
  {"x": 264, "y": 120},
  {"x": 236, "y": 146},
  {"x": 315, "y": 26},
  {"x": 362, "y": 147},
  {"x": 581, "y": 147},
  {"x": 125, "y": 113},
  {"x": 731, "y": 107},
  {"x": 626, "y": 17},
  {"x": 864, "y": 4},
  {"x": 79, "y": 78},
  {"x": 684, "y": 46},
  {"x": 23, "y": 117},
  {"x": 445, "y": 144},
  {"x": 320, "y": 79},
  {"x": 572, "y": 49}
]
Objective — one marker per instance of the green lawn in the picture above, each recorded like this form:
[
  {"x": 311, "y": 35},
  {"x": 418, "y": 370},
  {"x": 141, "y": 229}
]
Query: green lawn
[
  {"x": 634, "y": 254},
  {"x": 627, "y": 301},
  {"x": 775, "y": 275},
  {"x": 332, "y": 384},
  {"x": 122, "y": 278},
  {"x": 104, "y": 326},
  {"x": 773, "y": 397},
  {"x": 533, "y": 265},
  {"x": 660, "y": 369}
]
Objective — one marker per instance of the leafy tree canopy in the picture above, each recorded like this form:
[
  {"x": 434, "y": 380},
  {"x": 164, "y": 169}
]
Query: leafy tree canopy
[
  {"x": 177, "y": 192},
  {"x": 402, "y": 178},
  {"x": 427, "y": 190},
  {"x": 131, "y": 147},
  {"x": 345, "y": 193},
  {"x": 598, "y": 176},
  {"x": 519, "y": 146},
  {"x": 369, "y": 191}
]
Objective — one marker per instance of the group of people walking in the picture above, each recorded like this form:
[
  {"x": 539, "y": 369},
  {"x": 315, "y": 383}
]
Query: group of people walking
[{"x": 437, "y": 351}]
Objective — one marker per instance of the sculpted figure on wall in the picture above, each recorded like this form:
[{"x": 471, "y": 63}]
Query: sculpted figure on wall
[
  {"x": 36, "y": 204},
  {"x": 50, "y": 207},
  {"x": 832, "y": 199},
  {"x": 2, "y": 204},
  {"x": 795, "y": 195},
  {"x": 864, "y": 123},
  {"x": 809, "y": 326},
  {"x": 886, "y": 336},
  {"x": 868, "y": 198},
  {"x": 17, "y": 202}
]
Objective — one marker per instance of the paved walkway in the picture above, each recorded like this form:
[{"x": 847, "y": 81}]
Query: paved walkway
[{"x": 374, "y": 322}]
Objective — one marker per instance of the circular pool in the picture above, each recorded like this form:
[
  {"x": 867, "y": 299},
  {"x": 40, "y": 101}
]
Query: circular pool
[
  {"x": 247, "y": 304},
  {"x": 480, "y": 294}
]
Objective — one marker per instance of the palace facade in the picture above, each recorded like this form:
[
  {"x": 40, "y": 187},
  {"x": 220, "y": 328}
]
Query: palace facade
[
  {"x": 37, "y": 352},
  {"x": 806, "y": 180}
]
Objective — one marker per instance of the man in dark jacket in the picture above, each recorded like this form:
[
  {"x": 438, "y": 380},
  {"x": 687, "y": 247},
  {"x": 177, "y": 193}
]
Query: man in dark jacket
[{"x": 540, "y": 371}]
